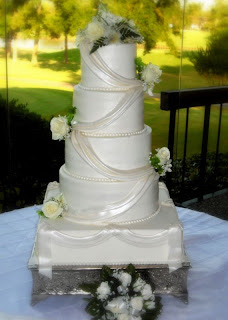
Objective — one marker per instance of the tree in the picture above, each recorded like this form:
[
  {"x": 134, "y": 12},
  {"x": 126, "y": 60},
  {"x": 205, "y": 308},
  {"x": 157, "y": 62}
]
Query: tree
[
  {"x": 11, "y": 8},
  {"x": 152, "y": 17},
  {"x": 194, "y": 15},
  {"x": 70, "y": 15},
  {"x": 31, "y": 19},
  {"x": 212, "y": 62}
]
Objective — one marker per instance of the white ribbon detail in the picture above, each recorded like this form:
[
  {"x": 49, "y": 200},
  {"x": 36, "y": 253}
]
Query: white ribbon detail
[
  {"x": 96, "y": 215},
  {"x": 47, "y": 234}
]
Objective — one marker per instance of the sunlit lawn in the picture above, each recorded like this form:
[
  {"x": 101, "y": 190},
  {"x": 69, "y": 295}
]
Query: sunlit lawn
[{"x": 47, "y": 89}]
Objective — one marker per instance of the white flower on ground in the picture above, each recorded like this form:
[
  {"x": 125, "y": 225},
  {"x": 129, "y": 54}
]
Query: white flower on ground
[
  {"x": 95, "y": 31},
  {"x": 147, "y": 292},
  {"x": 137, "y": 303},
  {"x": 52, "y": 209},
  {"x": 59, "y": 128},
  {"x": 122, "y": 290},
  {"x": 103, "y": 290},
  {"x": 163, "y": 154},
  {"x": 125, "y": 279},
  {"x": 123, "y": 316},
  {"x": 151, "y": 73},
  {"x": 138, "y": 285},
  {"x": 150, "y": 305},
  {"x": 117, "y": 305}
]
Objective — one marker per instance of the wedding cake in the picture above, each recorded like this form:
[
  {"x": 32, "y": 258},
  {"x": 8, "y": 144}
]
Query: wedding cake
[{"x": 109, "y": 207}]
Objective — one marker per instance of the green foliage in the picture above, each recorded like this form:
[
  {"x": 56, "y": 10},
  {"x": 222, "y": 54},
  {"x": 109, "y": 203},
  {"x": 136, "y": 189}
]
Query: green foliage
[
  {"x": 90, "y": 287},
  {"x": 96, "y": 306},
  {"x": 155, "y": 162},
  {"x": 153, "y": 314},
  {"x": 188, "y": 188},
  {"x": 106, "y": 273},
  {"x": 156, "y": 15},
  {"x": 212, "y": 61},
  {"x": 101, "y": 42},
  {"x": 31, "y": 160},
  {"x": 127, "y": 33},
  {"x": 70, "y": 115},
  {"x": 139, "y": 67},
  {"x": 40, "y": 213}
]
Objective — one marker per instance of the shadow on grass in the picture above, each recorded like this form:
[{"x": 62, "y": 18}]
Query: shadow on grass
[
  {"x": 53, "y": 60},
  {"x": 45, "y": 102}
]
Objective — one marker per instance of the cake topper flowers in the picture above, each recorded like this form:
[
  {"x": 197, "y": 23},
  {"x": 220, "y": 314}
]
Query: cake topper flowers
[
  {"x": 122, "y": 295},
  {"x": 108, "y": 28},
  {"x": 161, "y": 161}
]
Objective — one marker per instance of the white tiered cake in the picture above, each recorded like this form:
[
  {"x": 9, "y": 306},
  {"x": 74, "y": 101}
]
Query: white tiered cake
[{"x": 117, "y": 210}]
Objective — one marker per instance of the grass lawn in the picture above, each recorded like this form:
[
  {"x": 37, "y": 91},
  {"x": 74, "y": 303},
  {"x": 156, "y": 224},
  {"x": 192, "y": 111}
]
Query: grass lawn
[{"x": 47, "y": 89}]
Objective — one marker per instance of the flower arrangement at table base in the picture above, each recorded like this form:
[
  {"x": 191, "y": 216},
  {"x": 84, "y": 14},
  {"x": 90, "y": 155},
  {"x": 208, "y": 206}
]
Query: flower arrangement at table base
[{"x": 121, "y": 295}]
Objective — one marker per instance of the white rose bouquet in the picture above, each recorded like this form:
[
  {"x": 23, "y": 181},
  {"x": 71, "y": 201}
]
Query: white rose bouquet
[
  {"x": 122, "y": 295},
  {"x": 161, "y": 161},
  {"x": 54, "y": 207}
]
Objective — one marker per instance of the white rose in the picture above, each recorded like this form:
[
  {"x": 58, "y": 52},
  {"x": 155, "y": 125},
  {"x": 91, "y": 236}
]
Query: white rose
[
  {"x": 52, "y": 209},
  {"x": 117, "y": 305},
  {"x": 147, "y": 292},
  {"x": 59, "y": 128},
  {"x": 151, "y": 73},
  {"x": 163, "y": 154},
  {"x": 123, "y": 316},
  {"x": 138, "y": 285},
  {"x": 103, "y": 290},
  {"x": 150, "y": 305},
  {"x": 125, "y": 279},
  {"x": 122, "y": 290},
  {"x": 95, "y": 31},
  {"x": 137, "y": 303},
  {"x": 135, "y": 318}
]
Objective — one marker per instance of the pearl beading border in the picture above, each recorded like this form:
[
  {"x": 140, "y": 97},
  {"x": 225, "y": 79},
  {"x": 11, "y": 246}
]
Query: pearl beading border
[
  {"x": 128, "y": 134},
  {"x": 87, "y": 178},
  {"x": 102, "y": 89}
]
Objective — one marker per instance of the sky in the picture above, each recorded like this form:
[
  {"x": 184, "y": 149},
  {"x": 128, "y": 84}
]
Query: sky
[{"x": 206, "y": 3}]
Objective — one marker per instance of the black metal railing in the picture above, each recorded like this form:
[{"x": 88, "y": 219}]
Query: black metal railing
[{"x": 186, "y": 99}]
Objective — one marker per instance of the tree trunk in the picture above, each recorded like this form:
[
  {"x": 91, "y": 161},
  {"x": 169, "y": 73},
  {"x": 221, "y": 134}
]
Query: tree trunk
[
  {"x": 9, "y": 44},
  {"x": 66, "y": 49},
  {"x": 15, "y": 48},
  {"x": 35, "y": 48}
]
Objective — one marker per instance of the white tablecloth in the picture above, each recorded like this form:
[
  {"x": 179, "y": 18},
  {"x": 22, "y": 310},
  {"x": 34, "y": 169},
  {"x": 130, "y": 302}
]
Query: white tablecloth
[{"x": 206, "y": 242}]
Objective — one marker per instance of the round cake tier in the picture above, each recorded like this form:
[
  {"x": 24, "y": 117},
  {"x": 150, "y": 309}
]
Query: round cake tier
[
  {"x": 93, "y": 105},
  {"x": 123, "y": 152},
  {"x": 120, "y": 58},
  {"x": 102, "y": 201}
]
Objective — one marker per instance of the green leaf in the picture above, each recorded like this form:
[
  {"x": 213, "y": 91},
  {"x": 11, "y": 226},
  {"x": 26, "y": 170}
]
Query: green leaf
[
  {"x": 106, "y": 273},
  {"x": 90, "y": 287},
  {"x": 95, "y": 308},
  {"x": 154, "y": 313},
  {"x": 40, "y": 213},
  {"x": 131, "y": 269},
  {"x": 70, "y": 118},
  {"x": 126, "y": 33},
  {"x": 101, "y": 42}
]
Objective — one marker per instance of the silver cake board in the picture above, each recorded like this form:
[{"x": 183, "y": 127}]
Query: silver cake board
[{"x": 66, "y": 280}]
